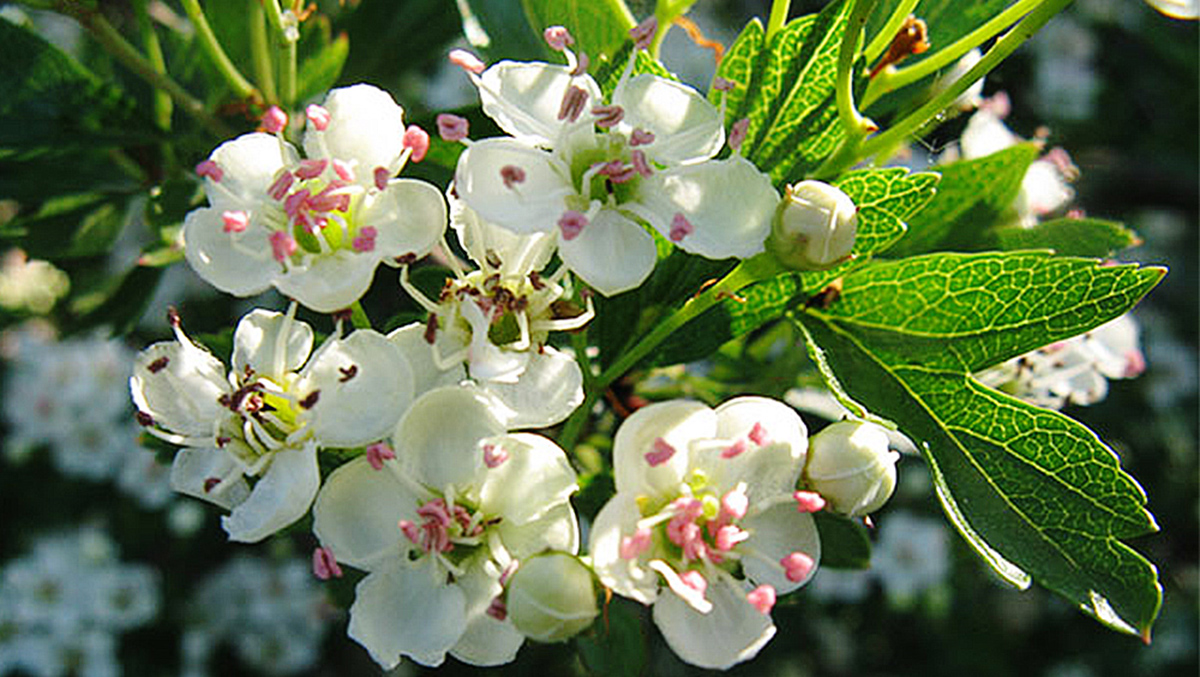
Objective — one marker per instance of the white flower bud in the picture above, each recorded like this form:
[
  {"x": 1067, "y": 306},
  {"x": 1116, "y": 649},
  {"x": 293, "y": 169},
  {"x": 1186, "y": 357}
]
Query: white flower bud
[
  {"x": 814, "y": 226},
  {"x": 850, "y": 465},
  {"x": 551, "y": 598}
]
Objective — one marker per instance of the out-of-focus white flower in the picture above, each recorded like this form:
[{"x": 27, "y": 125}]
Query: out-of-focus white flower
[
  {"x": 1065, "y": 74},
  {"x": 814, "y": 227},
  {"x": 273, "y": 613},
  {"x": 1177, "y": 9},
  {"x": 30, "y": 286},
  {"x": 315, "y": 228},
  {"x": 970, "y": 99},
  {"x": 437, "y": 524},
  {"x": 706, "y": 506},
  {"x": 592, "y": 171},
  {"x": 270, "y": 415},
  {"x": 1075, "y": 370},
  {"x": 497, "y": 319},
  {"x": 912, "y": 556},
  {"x": 852, "y": 467}
]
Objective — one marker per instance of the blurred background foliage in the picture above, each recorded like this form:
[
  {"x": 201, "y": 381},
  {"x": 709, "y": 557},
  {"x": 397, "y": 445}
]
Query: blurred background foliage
[{"x": 94, "y": 178}]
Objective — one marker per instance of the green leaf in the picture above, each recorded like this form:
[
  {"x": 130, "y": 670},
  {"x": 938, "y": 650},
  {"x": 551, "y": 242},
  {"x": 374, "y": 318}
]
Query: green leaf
[
  {"x": 886, "y": 199},
  {"x": 844, "y": 542},
  {"x": 1035, "y": 493},
  {"x": 69, "y": 226},
  {"x": 118, "y": 304},
  {"x": 608, "y": 71},
  {"x": 319, "y": 72},
  {"x": 615, "y": 644},
  {"x": 947, "y": 20},
  {"x": 973, "y": 195},
  {"x": 1070, "y": 237},
  {"x": 598, "y": 26},
  {"x": 739, "y": 66}
]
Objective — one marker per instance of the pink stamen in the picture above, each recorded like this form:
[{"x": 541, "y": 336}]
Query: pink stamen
[
  {"x": 452, "y": 127},
  {"x": 365, "y": 242},
  {"x": 1135, "y": 363},
  {"x": 330, "y": 199},
  {"x": 411, "y": 531},
  {"x": 663, "y": 451},
  {"x": 418, "y": 140},
  {"x": 694, "y": 580},
  {"x": 729, "y": 536},
  {"x": 325, "y": 565},
  {"x": 508, "y": 572},
  {"x": 640, "y": 165},
  {"x": 809, "y": 501},
  {"x": 797, "y": 566},
  {"x": 282, "y": 184},
  {"x": 617, "y": 171},
  {"x": 680, "y": 228},
  {"x": 762, "y": 598},
  {"x": 235, "y": 222},
  {"x": 641, "y": 137},
  {"x": 758, "y": 435},
  {"x": 722, "y": 84},
  {"x": 608, "y": 116},
  {"x": 283, "y": 245},
  {"x": 497, "y": 609},
  {"x": 493, "y": 455},
  {"x": 737, "y": 133},
  {"x": 317, "y": 116},
  {"x": 211, "y": 170},
  {"x": 558, "y": 37},
  {"x": 311, "y": 169},
  {"x": 378, "y": 453},
  {"x": 274, "y": 120},
  {"x": 582, "y": 66},
  {"x": 343, "y": 170},
  {"x": 734, "y": 505},
  {"x": 572, "y": 224},
  {"x": 382, "y": 175},
  {"x": 632, "y": 546},
  {"x": 735, "y": 449},
  {"x": 511, "y": 175},
  {"x": 643, "y": 33},
  {"x": 572, "y": 104},
  {"x": 466, "y": 61},
  {"x": 296, "y": 202}
]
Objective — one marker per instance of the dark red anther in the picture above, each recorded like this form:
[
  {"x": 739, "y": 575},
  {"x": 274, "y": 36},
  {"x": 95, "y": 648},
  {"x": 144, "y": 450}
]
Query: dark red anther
[
  {"x": 145, "y": 420},
  {"x": 311, "y": 400},
  {"x": 347, "y": 373},
  {"x": 158, "y": 365},
  {"x": 431, "y": 327}
]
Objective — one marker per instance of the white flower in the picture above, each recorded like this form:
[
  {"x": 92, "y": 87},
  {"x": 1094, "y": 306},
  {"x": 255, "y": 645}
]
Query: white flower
[
  {"x": 814, "y": 227},
  {"x": 1177, "y": 9},
  {"x": 30, "y": 286},
  {"x": 437, "y": 526},
  {"x": 270, "y": 415},
  {"x": 852, "y": 467},
  {"x": 703, "y": 494},
  {"x": 314, "y": 228},
  {"x": 593, "y": 171},
  {"x": 497, "y": 319},
  {"x": 912, "y": 555},
  {"x": 1074, "y": 370}
]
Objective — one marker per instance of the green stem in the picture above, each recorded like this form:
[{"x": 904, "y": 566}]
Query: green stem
[
  {"x": 890, "y": 79},
  {"x": 747, "y": 272},
  {"x": 358, "y": 316},
  {"x": 853, "y": 123},
  {"x": 154, "y": 55},
  {"x": 579, "y": 343},
  {"x": 1006, "y": 45},
  {"x": 212, "y": 47},
  {"x": 887, "y": 34},
  {"x": 260, "y": 50},
  {"x": 287, "y": 34},
  {"x": 131, "y": 58},
  {"x": 778, "y": 18}
]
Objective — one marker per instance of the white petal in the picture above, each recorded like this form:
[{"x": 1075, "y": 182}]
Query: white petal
[
  {"x": 407, "y": 609},
  {"x": 410, "y": 341},
  {"x": 627, "y": 577},
  {"x": 357, "y": 512},
  {"x": 985, "y": 134},
  {"x": 729, "y": 203},
  {"x": 768, "y": 470},
  {"x": 687, "y": 128},
  {"x": 691, "y": 596},
  {"x": 524, "y": 98},
  {"x": 259, "y": 338},
  {"x": 241, "y": 269},
  {"x": 248, "y": 166},
  {"x": 366, "y": 128},
  {"x": 548, "y": 390},
  {"x": 612, "y": 253},
  {"x": 182, "y": 395},
  {"x": 192, "y": 470},
  {"x": 365, "y": 406},
  {"x": 677, "y": 422},
  {"x": 518, "y": 254},
  {"x": 330, "y": 282},
  {"x": 281, "y": 496},
  {"x": 532, "y": 206},
  {"x": 485, "y": 641},
  {"x": 777, "y": 532},
  {"x": 555, "y": 529},
  {"x": 485, "y": 360},
  {"x": 437, "y": 441},
  {"x": 734, "y": 631},
  {"x": 410, "y": 217},
  {"x": 535, "y": 477}
]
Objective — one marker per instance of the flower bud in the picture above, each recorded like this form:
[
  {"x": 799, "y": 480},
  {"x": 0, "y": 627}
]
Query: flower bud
[
  {"x": 814, "y": 226},
  {"x": 551, "y": 598},
  {"x": 850, "y": 465}
]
